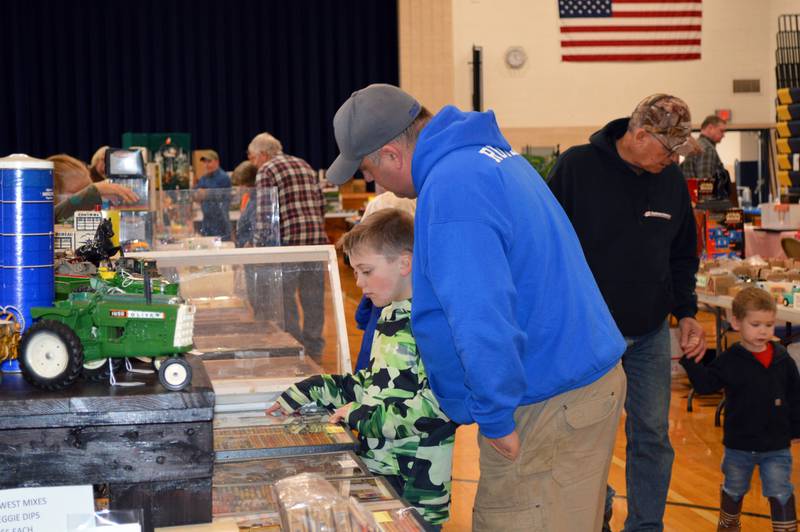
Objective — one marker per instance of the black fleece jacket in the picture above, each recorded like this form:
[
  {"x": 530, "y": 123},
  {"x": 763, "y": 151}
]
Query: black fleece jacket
[
  {"x": 637, "y": 231},
  {"x": 762, "y": 405}
]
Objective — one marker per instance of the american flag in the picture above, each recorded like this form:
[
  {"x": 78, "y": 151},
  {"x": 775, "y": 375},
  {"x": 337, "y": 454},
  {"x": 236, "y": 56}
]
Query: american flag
[{"x": 630, "y": 30}]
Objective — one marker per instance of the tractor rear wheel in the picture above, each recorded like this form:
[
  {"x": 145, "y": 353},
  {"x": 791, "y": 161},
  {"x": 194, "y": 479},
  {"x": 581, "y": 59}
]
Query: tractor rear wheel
[
  {"x": 50, "y": 355},
  {"x": 175, "y": 374}
]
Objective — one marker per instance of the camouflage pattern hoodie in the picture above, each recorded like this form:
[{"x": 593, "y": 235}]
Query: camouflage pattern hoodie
[{"x": 401, "y": 429}]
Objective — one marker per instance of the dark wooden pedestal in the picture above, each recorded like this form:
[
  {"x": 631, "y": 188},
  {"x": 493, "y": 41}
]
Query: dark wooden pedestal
[{"x": 153, "y": 448}]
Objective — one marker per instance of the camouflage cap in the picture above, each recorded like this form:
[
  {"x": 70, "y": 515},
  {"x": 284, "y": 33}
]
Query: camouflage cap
[{"x": 667, "y": 118}]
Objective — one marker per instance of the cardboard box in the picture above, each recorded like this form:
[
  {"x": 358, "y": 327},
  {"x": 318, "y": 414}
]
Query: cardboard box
[
  {"x": 715, "y": 284},
  {"x": 780, "y": 216},
  {"x": 722, "y": 233},
  {"x": 735, "y": 289},
  {"x": 743, "y": 270}
]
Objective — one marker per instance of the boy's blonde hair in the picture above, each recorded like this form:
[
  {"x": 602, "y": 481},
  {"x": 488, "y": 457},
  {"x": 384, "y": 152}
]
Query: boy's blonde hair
[
  {"x": 752, "y": 298},
  {"x": 388, "y": 232}
]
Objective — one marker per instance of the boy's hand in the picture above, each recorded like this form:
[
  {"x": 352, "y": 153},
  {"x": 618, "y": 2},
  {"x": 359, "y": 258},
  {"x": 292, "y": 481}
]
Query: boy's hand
[
  {"x": 507, "y": 446},
  {"x": 276, "y": 410},
  {"x": 340, "y": 414},
  {"x": 693, "y": 339}
]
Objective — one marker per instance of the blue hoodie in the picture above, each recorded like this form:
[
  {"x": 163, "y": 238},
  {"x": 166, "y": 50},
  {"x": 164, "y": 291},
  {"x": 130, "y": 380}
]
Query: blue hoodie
[{"x": 506, "y": 311}]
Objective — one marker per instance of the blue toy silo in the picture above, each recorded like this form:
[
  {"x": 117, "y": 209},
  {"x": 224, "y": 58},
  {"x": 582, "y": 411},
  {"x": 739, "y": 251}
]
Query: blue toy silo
[{"x": 26, "y": 235}]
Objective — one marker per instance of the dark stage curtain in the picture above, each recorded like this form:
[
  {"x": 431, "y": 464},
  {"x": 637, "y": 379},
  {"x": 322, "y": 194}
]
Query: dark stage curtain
[{"x": 75, "y": 75}]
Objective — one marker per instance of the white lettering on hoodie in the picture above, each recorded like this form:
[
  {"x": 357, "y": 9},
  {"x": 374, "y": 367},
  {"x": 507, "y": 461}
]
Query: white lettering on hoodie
[{"x": 496, "y": 154}]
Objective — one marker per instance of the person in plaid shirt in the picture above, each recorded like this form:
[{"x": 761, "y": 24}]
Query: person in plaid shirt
[
  {"x": 705, "y": 164},
  {"x": 302, "y": 223}
]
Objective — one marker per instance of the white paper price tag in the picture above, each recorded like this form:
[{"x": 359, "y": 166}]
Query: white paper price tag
[
  {"x": 42, "y": 509},
  {"x": 131, "y": 527}
]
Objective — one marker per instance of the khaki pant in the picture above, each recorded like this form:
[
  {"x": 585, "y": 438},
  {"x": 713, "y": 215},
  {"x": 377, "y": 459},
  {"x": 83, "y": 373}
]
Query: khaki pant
[{"x": 558, "y": 481}]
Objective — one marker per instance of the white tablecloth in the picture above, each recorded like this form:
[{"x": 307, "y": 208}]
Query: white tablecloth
[{"x": 764, "y": 243}]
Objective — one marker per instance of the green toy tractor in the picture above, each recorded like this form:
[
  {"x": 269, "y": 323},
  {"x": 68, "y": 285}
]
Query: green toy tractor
[
  {"x": 129, "y": 275},
  {"x": 89, "y": 332}
]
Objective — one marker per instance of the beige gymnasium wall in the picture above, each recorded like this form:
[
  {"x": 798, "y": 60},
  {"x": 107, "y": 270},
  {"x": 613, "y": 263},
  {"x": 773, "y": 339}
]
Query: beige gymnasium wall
[
  {"x": 548, "y": 101},
  {"x": 426, "y": 51}
]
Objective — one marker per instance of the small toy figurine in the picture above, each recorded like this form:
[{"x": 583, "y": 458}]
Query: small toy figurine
[
  {"x": 9, "y": 339},
  {"x": 101, "y": 248}
]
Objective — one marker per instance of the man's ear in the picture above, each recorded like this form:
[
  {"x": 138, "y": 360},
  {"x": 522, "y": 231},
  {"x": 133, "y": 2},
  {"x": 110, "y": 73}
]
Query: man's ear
[
  {"x": 405, "y": 263},
  {"x": 392, "y": 155},
  {"x": 639, "y": 135}
]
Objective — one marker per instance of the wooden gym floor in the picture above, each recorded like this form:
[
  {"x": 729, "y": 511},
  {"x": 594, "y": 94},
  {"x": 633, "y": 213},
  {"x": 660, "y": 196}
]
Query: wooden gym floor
[{"x": 693, "y": 501}]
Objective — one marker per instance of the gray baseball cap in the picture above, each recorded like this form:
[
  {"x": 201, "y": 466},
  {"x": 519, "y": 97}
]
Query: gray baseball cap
[{"x": 369, "y": 119}]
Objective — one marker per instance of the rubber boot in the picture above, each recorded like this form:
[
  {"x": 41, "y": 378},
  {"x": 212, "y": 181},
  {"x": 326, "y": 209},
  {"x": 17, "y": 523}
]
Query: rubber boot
[
  {"x": 607, "y": 520},
  {"x": 609, "y": 508},
  {"x": 729, "y": 512},
  {"x": 784, "y": 516}
]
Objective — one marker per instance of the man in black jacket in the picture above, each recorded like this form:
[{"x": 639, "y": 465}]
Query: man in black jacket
[{"x": 630, "y": 207}]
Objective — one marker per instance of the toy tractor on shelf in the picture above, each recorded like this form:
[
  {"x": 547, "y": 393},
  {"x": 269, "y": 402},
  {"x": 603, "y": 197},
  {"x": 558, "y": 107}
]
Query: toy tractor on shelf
[
  {"x": 91, "y": 331},
  {"x": 128, "y": 276}
]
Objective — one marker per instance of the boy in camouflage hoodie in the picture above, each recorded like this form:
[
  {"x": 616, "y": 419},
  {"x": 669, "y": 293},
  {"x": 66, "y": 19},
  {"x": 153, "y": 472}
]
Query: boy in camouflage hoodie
[{"x": 404, "y": 435}]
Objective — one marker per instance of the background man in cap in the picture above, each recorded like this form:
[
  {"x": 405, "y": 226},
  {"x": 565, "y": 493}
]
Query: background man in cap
[
  {"x": 706, "y": 164},
  {"x": 511, "y": 327},
  {"x": 302, "y": 223},
  {"x": 630, "y": 207},
  {"x": 213, "y": 191}
]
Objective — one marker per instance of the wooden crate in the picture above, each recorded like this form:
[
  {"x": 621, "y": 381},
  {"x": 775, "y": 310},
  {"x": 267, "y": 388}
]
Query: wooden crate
[{"x": 152, "y": 447}]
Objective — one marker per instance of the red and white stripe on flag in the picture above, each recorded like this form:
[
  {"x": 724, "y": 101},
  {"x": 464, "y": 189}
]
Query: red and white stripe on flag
[{"x": 630, "y": 30}]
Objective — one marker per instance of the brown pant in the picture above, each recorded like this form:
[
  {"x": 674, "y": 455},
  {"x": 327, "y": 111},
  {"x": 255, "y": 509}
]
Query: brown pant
[{"x": 558, "y": 481}]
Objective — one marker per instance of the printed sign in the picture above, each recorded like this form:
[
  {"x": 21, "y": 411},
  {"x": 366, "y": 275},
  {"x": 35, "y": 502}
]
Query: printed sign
[
  {"x": 137, "y": 314},
  {"x": 42, "y": 509}
]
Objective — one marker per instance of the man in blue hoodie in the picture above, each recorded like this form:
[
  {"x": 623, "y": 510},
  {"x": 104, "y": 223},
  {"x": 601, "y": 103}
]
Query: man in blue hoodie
[{"x": 511, "y": 326}]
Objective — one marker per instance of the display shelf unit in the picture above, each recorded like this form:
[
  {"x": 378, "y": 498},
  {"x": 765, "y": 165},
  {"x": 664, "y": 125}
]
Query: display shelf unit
[
  {"x": 239, "y": 329},
  {"x": 242, "y": 443},
  {"x": 151, "y": 447}
]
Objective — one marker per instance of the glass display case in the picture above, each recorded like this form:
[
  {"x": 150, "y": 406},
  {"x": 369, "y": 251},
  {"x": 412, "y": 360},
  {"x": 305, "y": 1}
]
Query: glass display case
[
  {"x": 189, "y": 218},
  {"x": 266, "y": 317},
  {"x": 221, "y": 214}
]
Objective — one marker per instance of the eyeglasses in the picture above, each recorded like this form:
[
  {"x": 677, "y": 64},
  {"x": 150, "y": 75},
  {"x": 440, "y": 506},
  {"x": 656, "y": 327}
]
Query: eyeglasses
[{"x": 670, "y": 151}]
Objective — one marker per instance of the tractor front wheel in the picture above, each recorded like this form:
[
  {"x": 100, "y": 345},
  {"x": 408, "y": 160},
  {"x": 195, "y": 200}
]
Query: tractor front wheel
[
  {"x": 50, "y": 355},
  {"x": 175, "y": 374}
]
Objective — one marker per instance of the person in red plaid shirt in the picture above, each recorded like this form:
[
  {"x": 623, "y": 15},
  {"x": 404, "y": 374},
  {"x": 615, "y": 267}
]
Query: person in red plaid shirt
[{"x": 302, "y": 223}]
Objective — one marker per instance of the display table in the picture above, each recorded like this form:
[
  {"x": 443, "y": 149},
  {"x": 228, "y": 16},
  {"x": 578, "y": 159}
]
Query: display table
[
  {"x": 787, "y": 314},
  {"x": 720, "y": 304},
  {"x": 765, "y": 243},
  {"x": 152, "y": 447}
]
